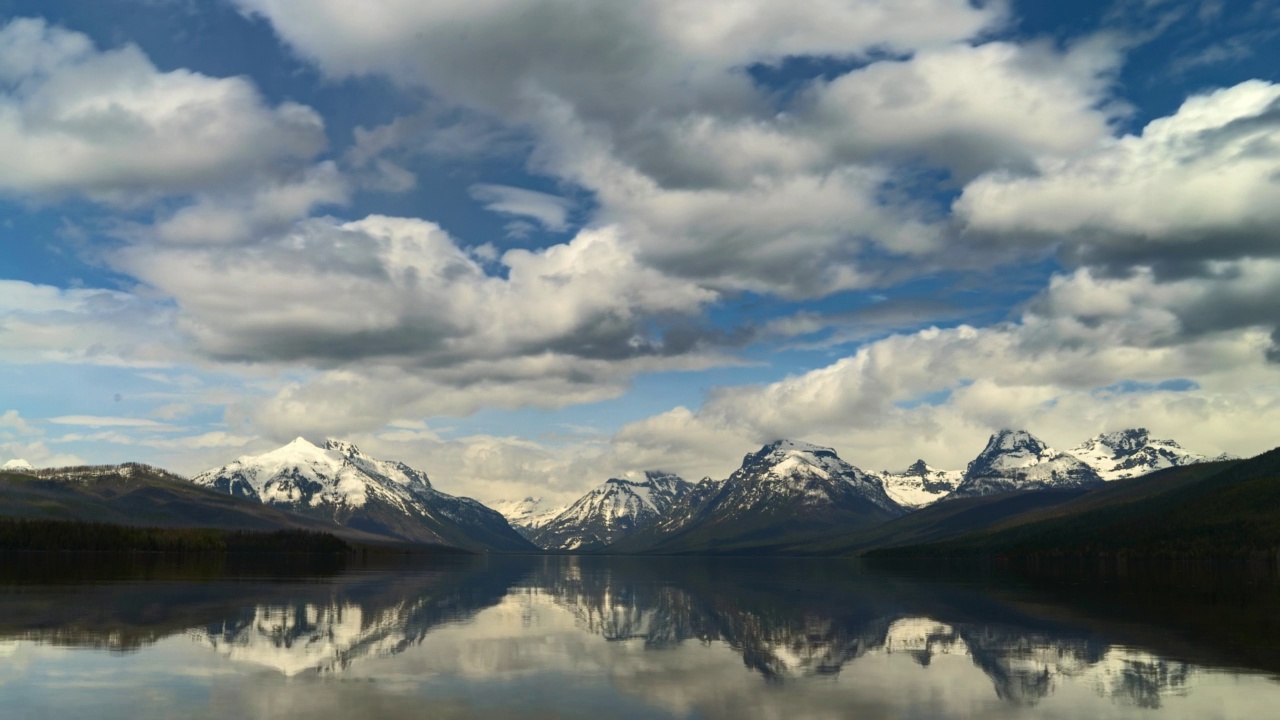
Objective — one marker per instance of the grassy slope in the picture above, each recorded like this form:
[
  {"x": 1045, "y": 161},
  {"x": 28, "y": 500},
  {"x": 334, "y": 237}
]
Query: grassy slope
[{"x": 1212, "y": 509}]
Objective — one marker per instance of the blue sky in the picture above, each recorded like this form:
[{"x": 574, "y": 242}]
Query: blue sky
[{"x": 527, "y": 245}]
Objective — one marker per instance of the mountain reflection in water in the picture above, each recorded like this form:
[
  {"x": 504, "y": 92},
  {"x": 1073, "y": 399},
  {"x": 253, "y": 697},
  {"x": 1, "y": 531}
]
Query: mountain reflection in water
[{"x": 553, "y": 637}]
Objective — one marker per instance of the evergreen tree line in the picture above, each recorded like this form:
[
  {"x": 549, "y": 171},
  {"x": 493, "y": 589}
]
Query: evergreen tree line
[
  {"x": 28, "y": 534},
  {"x": 78, "y": 471}
]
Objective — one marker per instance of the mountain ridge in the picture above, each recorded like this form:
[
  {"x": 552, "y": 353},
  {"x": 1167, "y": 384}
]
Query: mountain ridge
[
  {"x": 340, "y": 483},
  {"x": 611, "y": 511},
  {"x": 784, "y": 489}
]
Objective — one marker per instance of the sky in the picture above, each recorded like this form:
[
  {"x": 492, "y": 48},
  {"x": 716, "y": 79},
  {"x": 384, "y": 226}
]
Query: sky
[{"x": 529, "y": 245}]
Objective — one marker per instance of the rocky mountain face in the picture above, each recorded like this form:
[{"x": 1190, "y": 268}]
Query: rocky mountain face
[
  {"x": 1131, "y": 453},
  {"x": 1017, "y": 460},
  {"x": 785, "y": 490},
  {"x": 615, "y": 509},
  {"x": 338, "y": 482},
  {"x": 919, "y": 485}
]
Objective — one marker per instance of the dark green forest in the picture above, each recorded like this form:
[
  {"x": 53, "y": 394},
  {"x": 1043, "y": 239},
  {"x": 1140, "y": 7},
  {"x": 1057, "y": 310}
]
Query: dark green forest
[{"x": 28, "y": 534}]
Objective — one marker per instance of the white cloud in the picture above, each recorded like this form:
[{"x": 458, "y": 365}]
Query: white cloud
[
  {"x": 1199, "y": 183},
  {"x": 551, "y": 211},
  {"x": 246, "y": 214},
  {"x": 937, "y": 393},
  {"x": 648, "y": 106},
  {"x": 970, "y": 108},
  {"x": 39, "y": 323},
  {"x": 98, "y": 421},
  {"x": 20, "y": 440},
  {"x": 401, "y": 289},
  {"x": 108, "y": 124},
  {"x": 482, "y": 51}
]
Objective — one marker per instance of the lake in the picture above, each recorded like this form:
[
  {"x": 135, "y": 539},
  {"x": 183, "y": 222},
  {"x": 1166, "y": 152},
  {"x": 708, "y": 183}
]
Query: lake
[{"x": 549, "y": 637}]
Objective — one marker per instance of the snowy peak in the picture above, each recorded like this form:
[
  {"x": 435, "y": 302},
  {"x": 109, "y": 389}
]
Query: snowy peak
[
  {"x": 785, "y": 491},
  {"x": 919, "y": 468},
  {"x": 1131, "y": 453},
  {"x": 791, "y": 469},
  {"x": 338, "y": 482},
  {"x": 1017, "y": 460},
  {"x": 788, "y": 459},
  {"x": 920, "y": 484},
  {"x": 1127, "y": 441},
  {"x": 528, "y": 514},
  {"x": 342, "y": 447},
  {"x": 611, "y": 511},
  {"x": 1007, "y": 449},
  {"x": 17, "y": 465}
]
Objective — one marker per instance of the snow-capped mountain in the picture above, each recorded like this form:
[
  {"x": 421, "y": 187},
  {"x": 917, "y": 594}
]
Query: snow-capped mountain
[
  {"x": 920, "y": 484},
  {"x": 785, "y": 490},
  {"x": 527, "y": 515},
  {"x": 1018, "y": 460},
  {"x": 1130, "y": 453},
  {"x": 338, "y": 482},
  {"x": 611, "y": 511},
  {"x": 17, "y": 465}
]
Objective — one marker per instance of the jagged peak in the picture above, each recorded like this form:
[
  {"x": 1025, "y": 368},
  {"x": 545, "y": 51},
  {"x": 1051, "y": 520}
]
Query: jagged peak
[
  {"x": 342, "y": 447},
  {"x": 795, "y": 445},
  {"x": 1129, "y": 440},
  {"x": 779, "y": 451},
  {"x": 1006, "y": 439},
  {"x": 919, "y": 467}
]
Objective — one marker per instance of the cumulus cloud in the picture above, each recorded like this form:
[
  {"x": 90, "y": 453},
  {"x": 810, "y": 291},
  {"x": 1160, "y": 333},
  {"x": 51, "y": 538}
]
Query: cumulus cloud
[
  {"x": 245, "y": 214},
  {"x": 107, "y": 124},
  {"x": 401, "y": 320},
  {"x": 1193, "y": 186},
  {"x": 1059, "y": 371},
  {"x": 328, "y": 292},
  {"x": 650, "y": 107},
  {"x": 40, "y": 323},
  {"x": 705, "y": 183},
  {"x": 973, "y": 108}
]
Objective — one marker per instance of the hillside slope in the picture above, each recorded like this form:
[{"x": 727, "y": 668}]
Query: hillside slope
[
  {"x": 140, "y": 495},
  {"x": 1213, "y": 509}
]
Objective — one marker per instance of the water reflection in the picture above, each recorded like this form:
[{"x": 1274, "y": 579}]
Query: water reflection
[{"x": 566, "y": 636}]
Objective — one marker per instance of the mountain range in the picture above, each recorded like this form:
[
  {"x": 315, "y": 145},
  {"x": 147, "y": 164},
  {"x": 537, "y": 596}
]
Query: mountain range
[
  {"x": 341, "y": 484},
  {"x": 788, "y": 497}
]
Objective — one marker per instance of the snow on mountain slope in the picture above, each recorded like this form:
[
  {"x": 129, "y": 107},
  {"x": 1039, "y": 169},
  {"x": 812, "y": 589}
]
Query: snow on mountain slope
[
  {"x": 613, "y": 510},
  {"x": 17, "y": 465},
  {"x": 1017, "y": 460},
  {"x": 527, "y": 515},
  {"x": 338, "y": 482},
  {"x": 786, "y": 489},
  {"x": 920, "y": 484},
  {"x": 797, "y": 470},
  {"x": 1131, "y": 453}
]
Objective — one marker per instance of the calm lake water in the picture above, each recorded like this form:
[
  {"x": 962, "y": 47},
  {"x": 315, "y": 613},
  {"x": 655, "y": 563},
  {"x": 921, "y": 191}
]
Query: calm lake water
[{"x": 599, "y": 637}]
